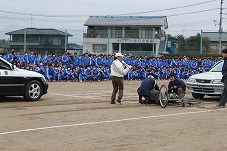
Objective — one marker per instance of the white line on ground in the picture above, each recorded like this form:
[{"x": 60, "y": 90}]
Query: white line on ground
[
  {"x": 112, "y": 121},
  {"x": 86, "y": 96},
  {"x": 76, "y": 96},
  {"x": 133, "y": 102}
]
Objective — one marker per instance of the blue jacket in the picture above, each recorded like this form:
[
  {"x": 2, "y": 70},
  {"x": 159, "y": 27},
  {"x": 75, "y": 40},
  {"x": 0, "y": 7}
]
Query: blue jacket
[
  {"x": 146, "y": 86},
  {"x": 224, "y": 69},
  {"x": 177, "y": 82}
]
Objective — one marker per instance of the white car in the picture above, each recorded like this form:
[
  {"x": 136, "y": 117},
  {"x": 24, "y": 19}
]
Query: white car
[
  {"x": 208, "y": 83},
  {"x": 19, "y": 82}
]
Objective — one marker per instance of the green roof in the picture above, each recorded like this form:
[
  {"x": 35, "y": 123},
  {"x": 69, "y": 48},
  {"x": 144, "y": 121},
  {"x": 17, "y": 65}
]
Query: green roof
[{"x": 36, "y": 31}]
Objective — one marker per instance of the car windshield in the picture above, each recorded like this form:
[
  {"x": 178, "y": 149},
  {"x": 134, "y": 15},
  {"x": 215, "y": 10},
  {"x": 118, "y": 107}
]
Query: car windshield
[{"x": 217, "y": 67}]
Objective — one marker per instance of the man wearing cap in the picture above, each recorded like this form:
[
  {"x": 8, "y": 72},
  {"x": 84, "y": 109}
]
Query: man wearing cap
[
  {"x": 118, "y": 70},
  {"x": 223, "y": 98}
]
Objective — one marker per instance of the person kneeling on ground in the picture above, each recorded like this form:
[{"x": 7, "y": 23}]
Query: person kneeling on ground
[
  {"x": 176, "y": 87},
  {"x": 149, "y": 90}
]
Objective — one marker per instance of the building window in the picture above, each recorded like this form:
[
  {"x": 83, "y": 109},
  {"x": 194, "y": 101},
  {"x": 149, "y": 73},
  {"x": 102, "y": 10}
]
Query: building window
[
  {"x": 146, "y": 34},
  {"x": 132, "y": 33},
  {"x": 99, "y": 47},
  {"x": 213, "y": 48}
]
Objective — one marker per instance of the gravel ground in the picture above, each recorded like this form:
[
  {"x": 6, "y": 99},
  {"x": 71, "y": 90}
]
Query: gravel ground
[{"x": 78, "y": 116}]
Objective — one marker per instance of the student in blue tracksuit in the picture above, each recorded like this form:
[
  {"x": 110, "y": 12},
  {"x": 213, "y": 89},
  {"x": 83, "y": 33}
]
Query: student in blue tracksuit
[
  {"x": 57, "y": 74},
  {"x": 86, "y": 60},
  {"x": 94, "y": 60},
  {"x": 110, "y": 60},
  {"x": 88, "y": 73},
  {"x": 4, "y": 56},
  {"x": 55, "y": 59},
  {"x": 80, "y": 73},
  {"x": 95, "y": 74},
  {"x": 48, "y": 72},
  {"x": 43, "y": 59},
  {"x": 66, "y": 59},
  {"x": 25, "y": 59},
  {"x": 104, "y": 61},
  {"x": 142, "y": 73},
  {"x": 99, "y": 60},
  {"x": 11, "y": 56},
  {"x": 74, "y": 74},
  {"x": 185, "y": 75},
  {"x": 48, "y": 58},
  {"x": 133, "y": 74},
  {"x": 76, "y": 60},
  {"x": 31, "y": 57},
  {"x": 36, "y": 59},
  {"x": 105, "y": 74}
]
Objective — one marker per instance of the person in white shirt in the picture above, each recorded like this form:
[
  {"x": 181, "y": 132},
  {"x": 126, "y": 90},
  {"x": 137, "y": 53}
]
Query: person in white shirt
[{"x": 118, "y": 69}]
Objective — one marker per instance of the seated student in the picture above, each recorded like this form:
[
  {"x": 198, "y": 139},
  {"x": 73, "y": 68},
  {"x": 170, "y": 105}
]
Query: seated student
[
  {"x": 95, "y": 73},
  {"x": 149, "y": 90},
  {"x": 176, "y": 86}
]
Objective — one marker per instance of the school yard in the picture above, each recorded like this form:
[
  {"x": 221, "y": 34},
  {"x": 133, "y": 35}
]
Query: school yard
[{"x": 77, "y": 116}]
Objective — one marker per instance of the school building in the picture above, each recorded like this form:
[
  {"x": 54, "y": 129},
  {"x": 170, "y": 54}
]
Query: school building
[{"x": 136, "y": 35}]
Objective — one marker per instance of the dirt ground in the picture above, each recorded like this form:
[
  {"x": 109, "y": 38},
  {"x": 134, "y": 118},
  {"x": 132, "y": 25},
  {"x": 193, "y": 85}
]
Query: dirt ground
[{"x": 77, "y": 116}]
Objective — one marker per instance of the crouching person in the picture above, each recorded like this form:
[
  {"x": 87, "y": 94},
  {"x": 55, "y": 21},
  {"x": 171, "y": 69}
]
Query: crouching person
[
  {"x": 149, "y": 90},
  {"x": 176, "y": 87}
]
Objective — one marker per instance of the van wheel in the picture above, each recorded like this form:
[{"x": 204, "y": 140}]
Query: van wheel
[
  {"x": 33, "y": 91},
  {"x": 198, "y": 96}
]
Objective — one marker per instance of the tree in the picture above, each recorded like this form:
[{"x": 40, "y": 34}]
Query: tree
[
  {"x": 181, "y": 42},
  {"x": 193, "y": 42}
]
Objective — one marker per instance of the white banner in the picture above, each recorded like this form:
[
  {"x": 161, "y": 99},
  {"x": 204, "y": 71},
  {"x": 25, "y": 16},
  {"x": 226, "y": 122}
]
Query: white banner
[{"x": 135, "y": 40}]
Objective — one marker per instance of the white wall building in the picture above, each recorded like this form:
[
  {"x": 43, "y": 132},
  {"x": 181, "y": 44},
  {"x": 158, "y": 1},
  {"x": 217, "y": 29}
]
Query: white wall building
[{"x": 138, "y": 35}]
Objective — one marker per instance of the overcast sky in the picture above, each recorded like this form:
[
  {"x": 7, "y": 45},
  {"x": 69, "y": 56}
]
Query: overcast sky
[{"x": 77, "y": 11}]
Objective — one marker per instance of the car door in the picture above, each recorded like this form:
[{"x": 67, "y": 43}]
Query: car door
[{"x": 10, "y": 81}]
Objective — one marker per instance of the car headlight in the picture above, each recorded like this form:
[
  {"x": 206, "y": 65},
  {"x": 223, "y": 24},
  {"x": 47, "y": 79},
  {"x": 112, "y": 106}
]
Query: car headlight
[
  {"x": 217, "y": 81},
  {"x": 192, "y": 80}
]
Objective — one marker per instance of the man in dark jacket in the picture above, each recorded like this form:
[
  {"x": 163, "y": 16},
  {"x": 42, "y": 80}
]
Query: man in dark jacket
[
  {"x": 176, "y": 86},
  {"x": 149, "y": 90},
  {"x": 223, "y": 98}
]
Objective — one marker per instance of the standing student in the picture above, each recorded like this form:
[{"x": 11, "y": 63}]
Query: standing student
[{"x": 118, "y": 70}]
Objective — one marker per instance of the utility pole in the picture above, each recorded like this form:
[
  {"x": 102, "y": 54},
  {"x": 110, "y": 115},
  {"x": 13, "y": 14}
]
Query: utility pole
[
  {"x": 108, "y": 43},
  {"x": 201, "y": 42},
  {"x": 153, "y": 45},
  {"x": 66, "y": 40},
  {"x": 25, "y": 36},
  {"x": 31, "y": 20},
  {"x": 220, "y": 26}
]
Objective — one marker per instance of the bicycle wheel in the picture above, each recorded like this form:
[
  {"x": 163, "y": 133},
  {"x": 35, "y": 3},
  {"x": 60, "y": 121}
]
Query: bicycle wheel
[{"x": 163, "y": 96}]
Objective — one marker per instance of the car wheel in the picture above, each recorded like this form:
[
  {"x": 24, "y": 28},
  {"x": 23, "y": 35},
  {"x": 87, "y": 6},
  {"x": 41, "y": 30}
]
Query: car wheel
[
  {"x": 198, "y": 96},
  {"x": 33, "y": 91}
]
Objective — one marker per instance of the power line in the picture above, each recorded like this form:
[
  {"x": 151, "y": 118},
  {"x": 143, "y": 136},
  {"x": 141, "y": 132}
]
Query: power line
[
  {"x": 41, "y": 15},
  {"x": 135, "y": 13},
  {"x": 195, "y": 12},
  {"x": 159, "y": 10}
]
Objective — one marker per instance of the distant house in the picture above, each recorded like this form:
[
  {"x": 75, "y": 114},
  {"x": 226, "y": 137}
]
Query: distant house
[
  {"x": 214, "y": 40},
  {"x": 72, "y": 48},
  {"x": 40, "y": 40}
]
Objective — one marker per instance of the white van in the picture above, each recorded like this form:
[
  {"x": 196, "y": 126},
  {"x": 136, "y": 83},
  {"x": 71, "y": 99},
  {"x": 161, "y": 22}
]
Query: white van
[{"x": 19, "y": 82}]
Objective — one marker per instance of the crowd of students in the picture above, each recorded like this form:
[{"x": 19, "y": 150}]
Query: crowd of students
[{"x": 91, "y": 67}]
